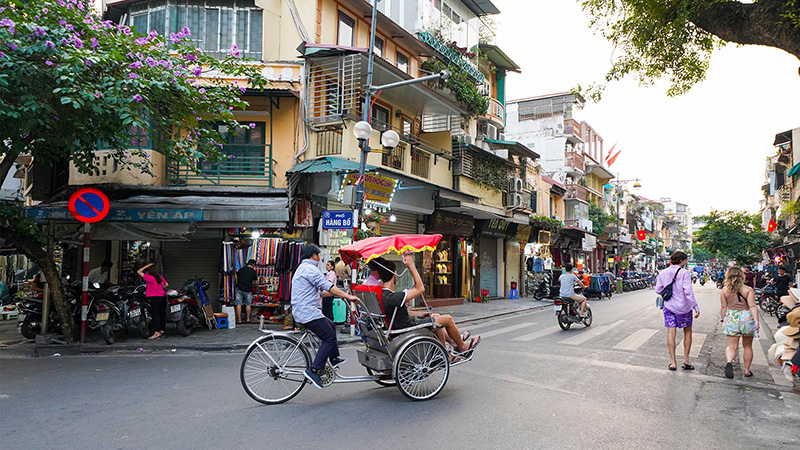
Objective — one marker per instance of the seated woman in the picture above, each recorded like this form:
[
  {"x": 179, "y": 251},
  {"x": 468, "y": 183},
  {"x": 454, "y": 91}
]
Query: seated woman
[{"x": 404, "y": 318}]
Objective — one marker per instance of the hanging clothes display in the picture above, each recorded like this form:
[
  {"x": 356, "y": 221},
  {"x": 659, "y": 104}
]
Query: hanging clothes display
[{"x": 276, "y": 261}]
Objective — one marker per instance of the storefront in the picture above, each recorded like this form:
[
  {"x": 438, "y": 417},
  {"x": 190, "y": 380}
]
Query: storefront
[
  {"x": 447, "y": 271},
  {"x": 490, "y": 249}
]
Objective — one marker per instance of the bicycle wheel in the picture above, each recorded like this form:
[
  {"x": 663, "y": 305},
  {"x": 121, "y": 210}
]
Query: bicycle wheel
[
  {"x": 272, "y": 369},
  {"x": 421, "y": 368}
]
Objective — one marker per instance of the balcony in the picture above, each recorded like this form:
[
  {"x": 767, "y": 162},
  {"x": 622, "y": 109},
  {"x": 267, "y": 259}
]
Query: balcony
[
  {"x": 496, "y": 113},
  {"x": 572, "y": 130},
  {"x": 574, "y": 162},
  {"x": 452, "y": 56},
  {"x": 252, "y": 171},
  {"x": 577, "y": 191}
]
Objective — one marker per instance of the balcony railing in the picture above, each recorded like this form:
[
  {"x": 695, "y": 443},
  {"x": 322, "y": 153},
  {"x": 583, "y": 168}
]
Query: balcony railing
[
  {"x": 329, "y": 143},
  {"x": 574, "y": 160},
  {"x": 577, "y": 191},
  {"x": 452, "y": 55},
  {"x": 239, "y": 171},
  {"x": 496, "y": 110},
  {"x": 572, "y": 127}
]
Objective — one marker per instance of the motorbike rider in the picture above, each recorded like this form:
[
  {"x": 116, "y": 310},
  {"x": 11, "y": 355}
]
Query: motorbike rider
[{"x": 568, "y": 280}]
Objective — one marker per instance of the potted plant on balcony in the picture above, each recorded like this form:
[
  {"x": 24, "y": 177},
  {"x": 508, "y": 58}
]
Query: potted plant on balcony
[{"x": 374, "y": 220}]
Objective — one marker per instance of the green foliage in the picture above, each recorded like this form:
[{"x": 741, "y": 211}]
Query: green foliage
[
  {"x": 70, "y": 80},
  {"x": 674, "y": 39},
  {"x": 790, "y": 209},
  {"x": 599, "y": 218},
  {"x": 13, "y": 216},
  {"x": 460, "y": 85},
  {"x": 546, "y": 223},
  {"x": 734, "y": 235},
  {"x": 700, "y": 254},
  {"x": 490, "y": 171}
]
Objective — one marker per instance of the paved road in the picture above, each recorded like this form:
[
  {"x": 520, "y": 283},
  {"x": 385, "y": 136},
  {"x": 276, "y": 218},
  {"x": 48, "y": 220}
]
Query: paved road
[{"x": 526, "y": 388}]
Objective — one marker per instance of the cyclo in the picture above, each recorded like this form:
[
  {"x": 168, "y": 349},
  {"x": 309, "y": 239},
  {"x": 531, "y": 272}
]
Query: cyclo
[{"x": 412, "y": 359}]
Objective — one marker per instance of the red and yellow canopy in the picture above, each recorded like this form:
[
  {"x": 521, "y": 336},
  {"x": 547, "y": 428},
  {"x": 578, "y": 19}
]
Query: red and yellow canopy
[{"x": 374, "y": 247}]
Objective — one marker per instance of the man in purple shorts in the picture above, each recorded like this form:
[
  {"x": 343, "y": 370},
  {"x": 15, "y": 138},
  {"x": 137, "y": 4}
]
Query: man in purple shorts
[{"x": 678, "y": 309}]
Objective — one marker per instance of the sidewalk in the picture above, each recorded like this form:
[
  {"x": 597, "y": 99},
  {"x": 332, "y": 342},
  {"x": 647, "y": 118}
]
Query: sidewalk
[{"x": 239, "y": 338}]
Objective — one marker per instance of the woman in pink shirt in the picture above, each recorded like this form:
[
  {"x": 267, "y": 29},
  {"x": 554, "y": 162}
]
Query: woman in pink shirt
[{"x": 155, "y": 284}]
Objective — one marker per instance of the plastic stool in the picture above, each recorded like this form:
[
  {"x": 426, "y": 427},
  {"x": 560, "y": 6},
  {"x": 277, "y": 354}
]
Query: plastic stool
[
  {"x": 222, "y": 322},
  {"x": 514, "y": 293}
]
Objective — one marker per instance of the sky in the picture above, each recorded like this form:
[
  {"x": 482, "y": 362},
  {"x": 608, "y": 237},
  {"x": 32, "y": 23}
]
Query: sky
[{"x": 706, "y": 148}]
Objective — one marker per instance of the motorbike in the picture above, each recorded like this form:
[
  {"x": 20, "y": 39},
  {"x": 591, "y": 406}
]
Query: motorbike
[
  {"x": 694, "y": 278},
  {"x": 719, "y": 284},
  {"x": 184, "y": 308},
  {"x": 119, "y": 311},
  {"x": 545, "y": 290},
  {"x": 29, "y": 320},
  {"x": 567, "y": 313},
  {"x": 702, "y": 280}
]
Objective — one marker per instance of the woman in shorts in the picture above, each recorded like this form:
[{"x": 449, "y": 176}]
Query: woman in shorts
[{"x": 739, "y": 317}]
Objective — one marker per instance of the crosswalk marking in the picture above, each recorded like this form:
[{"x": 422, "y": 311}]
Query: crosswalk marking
[
  {"x": 697, "y": 344},
  {"x": 538, "y": 334},
  {"x": 507, "y": 329},
  {"x": 634, "y": 341},
  {"x": 589, "y": 334}
]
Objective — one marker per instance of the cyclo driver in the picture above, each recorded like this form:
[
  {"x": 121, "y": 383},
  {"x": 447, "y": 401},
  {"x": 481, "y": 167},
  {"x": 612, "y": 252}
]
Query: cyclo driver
[{"x": 568, "y": 281}]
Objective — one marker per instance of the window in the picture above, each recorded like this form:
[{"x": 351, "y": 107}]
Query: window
[
  {"x": 402, "y": 62},
  {"x": 380, "y": 118},
  {"x": 408, "y": 129},
  {"x": 420, "y": 163},
  {"x": 347, "y": 27},
  {"x": 247, "y": 148},
  {"x": 395, "y": 159},
  {"x": 215, "y": 26},
  {"x": 378, "y": 46}
]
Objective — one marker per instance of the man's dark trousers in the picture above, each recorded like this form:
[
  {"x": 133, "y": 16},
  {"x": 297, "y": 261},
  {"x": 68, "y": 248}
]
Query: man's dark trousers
[{"x": 329, "y": 349}]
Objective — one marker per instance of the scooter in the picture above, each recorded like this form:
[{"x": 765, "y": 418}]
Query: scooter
[
  {"x": 567, "y": 313},
  {"x": 29, "y": 320},
  {"x": 184, "y": 308},
  {"x": 545, "y": 290}
]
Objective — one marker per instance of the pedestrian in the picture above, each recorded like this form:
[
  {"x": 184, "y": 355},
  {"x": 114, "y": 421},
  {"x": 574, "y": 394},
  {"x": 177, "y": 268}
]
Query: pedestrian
[
  {"x": 156, "y": 296},
  {"x": 749, "y": 277},
  {"x": 343, "y": 273},
  {"x": 739, "y": 316},
  {"x": 307, "y": 286},
  {"x": 678, "y": 309},
  {"x": 244, "y": 289},
  {"x": 327, "y": 301},
  {"x": 782, "y": 282},
  {"x": 100, "y": 274}
]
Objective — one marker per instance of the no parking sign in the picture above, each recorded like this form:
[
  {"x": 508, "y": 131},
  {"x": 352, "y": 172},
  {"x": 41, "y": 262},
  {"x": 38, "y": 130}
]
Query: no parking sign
[{"x": 89, "y": 205}]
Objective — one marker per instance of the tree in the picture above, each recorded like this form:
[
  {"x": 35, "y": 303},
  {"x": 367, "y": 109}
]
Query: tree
[
  {"x": 700, "y": 254},
  {"x": 675, "y": 38},
  {"x": 70, "y": 81},
  {"x": 599, "y": 218},
  {"x": 734, "y": 235}
]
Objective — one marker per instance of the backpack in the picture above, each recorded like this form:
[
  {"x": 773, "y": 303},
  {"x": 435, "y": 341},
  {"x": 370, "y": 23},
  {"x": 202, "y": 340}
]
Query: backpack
[{"x": 666, "y": 292}]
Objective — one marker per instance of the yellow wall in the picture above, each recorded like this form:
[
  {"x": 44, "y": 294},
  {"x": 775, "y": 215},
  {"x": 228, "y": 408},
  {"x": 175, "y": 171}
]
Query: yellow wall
[
  {"x": 125, "y": 176},
  {"x": 488, "y": 197}
]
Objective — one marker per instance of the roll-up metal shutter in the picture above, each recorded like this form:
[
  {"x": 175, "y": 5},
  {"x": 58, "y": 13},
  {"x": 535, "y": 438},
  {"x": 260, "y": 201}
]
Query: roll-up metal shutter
[
  {"x": 198, "y": 257},
  {"x": 97, "y": 254},
  {"x": 406, "y": 223},
  {"x": 488, "y": 263}
]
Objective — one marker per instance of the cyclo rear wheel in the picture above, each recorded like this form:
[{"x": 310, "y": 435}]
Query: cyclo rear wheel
[
  {"x": 421, "y": 368},
  {"x": 271, "y": 383}
]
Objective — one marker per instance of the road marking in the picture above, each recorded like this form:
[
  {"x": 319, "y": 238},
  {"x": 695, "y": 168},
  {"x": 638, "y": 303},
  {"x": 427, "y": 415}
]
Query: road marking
[
  {"x": 538, "y": 334},
  {"x": 697, "y": 344},
  {"x": 591, "y": 333},
  {"x": 507, "y": 329},
  {"x": 634, "y": 341}
]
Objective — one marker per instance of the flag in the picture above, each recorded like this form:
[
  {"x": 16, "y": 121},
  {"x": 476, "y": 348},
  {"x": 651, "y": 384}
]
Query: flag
[
  {"x": 641, "y": 235},
  {"x": 772, "y": 226},
  {"x": 610, "y": 151},
  {"x": 611, "y": 158}
]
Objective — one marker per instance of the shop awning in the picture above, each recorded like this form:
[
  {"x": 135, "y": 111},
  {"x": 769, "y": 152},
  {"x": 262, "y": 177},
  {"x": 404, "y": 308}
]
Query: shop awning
[
  {"x": 498, "y": 57},
  {"x": 793, "y": 170},
  {"x": 599, "y": 170},
  {"x": 141, "y": 231},
  {"x": 327, "y": 165}
]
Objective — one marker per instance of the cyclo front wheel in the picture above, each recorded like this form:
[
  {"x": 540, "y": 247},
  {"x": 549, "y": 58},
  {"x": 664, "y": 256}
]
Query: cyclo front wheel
[
  {"x": 272, "y": 369},
  {"x": 421, "y": 368}
]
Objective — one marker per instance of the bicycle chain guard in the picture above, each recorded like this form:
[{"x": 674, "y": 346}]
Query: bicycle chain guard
[{"x": 327, "y": 375}]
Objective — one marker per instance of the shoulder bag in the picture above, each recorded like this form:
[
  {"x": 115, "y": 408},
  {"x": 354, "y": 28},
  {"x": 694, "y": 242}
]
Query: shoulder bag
[{"x": 666, "y": 292}]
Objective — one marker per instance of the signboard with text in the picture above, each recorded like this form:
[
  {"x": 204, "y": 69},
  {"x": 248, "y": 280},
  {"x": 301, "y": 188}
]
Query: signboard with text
[
  {"x": 378, "y": 189},
  {"x": 446, "y": 222},
  {"x": 337, "y": 220},
  {"x": 125, "y": 215}
]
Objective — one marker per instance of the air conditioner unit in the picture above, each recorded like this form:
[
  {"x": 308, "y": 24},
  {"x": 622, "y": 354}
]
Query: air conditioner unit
[
  {"x": 514, "y": 201},
  {"x": 491, "y": 131},
  {"x": 515, "y": 184}
]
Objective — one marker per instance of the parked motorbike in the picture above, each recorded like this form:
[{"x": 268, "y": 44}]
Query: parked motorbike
[
  {"x": 115, "y": 312},
  {"x": 545, "y": 290},
  {"x": 567, "y": 312},
  {"x": 702, "y": 280},
  {"x": 184, "y": 308},
  {"x": 31, "y": 309}
]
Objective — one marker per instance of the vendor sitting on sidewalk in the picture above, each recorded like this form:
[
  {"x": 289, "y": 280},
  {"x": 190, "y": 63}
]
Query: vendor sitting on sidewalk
[{"x": 404, "y": 318}]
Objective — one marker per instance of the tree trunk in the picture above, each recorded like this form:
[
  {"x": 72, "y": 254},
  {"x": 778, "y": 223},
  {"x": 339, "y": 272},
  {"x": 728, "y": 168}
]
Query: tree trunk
[
  {"x": 34, "y": 251},
  {"x": 757, "y": 23}
]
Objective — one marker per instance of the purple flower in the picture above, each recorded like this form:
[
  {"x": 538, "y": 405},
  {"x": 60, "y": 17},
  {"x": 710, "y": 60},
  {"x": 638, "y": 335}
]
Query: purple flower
[
  {"x": 152, "y": 34},
  {"x": 49, "y": 44},
  {"x": 202, "y": 91},
  {"x": 186, "y": 31},
  {"x": 197, "y": 71},
  {"x": 62, "y": 22},
  {"x": 126, "y": 31},
  {"x": 177, "y": 73},
  {"x": 252, "y": 125},
  {"x": 70, "y": 27},
  {"x": 134, "y": 141},
  {"x": 133, "y": 76},
  {"x": 190, "y": 57},
  {"x": 174, "y": 38},
  {"x": 78, "y": 43},
  {"x": 12, "y": 46},
  {"x": 45, "y": 10},
  {"x": 88, "y": 20},
  {"x": 136, "y": 65},
  {"x": 2, "y": 55},
  {"x": 234, "y": 51},
  {"x": 140, "y": 41},
  {"x": 48, "y": 62},
  {"x": 89, "y": 62},
  {"x": 198, "y": 119},
  {"x": 137, "y": 97},
  {"x": 39, "y": 31},
  {"x": 94, "y": 42},
  {"x": 7, "y": 23},
  {"x": 97, "y": 95},
  {"x": 243, "y": 90}
]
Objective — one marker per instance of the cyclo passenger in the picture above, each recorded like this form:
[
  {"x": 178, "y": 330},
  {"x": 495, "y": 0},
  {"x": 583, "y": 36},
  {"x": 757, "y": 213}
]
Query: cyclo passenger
[
  {"x": 308, "y": 284},
  {"x": 567, "y": 290},
  {"x": 404, "y": 318}
]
